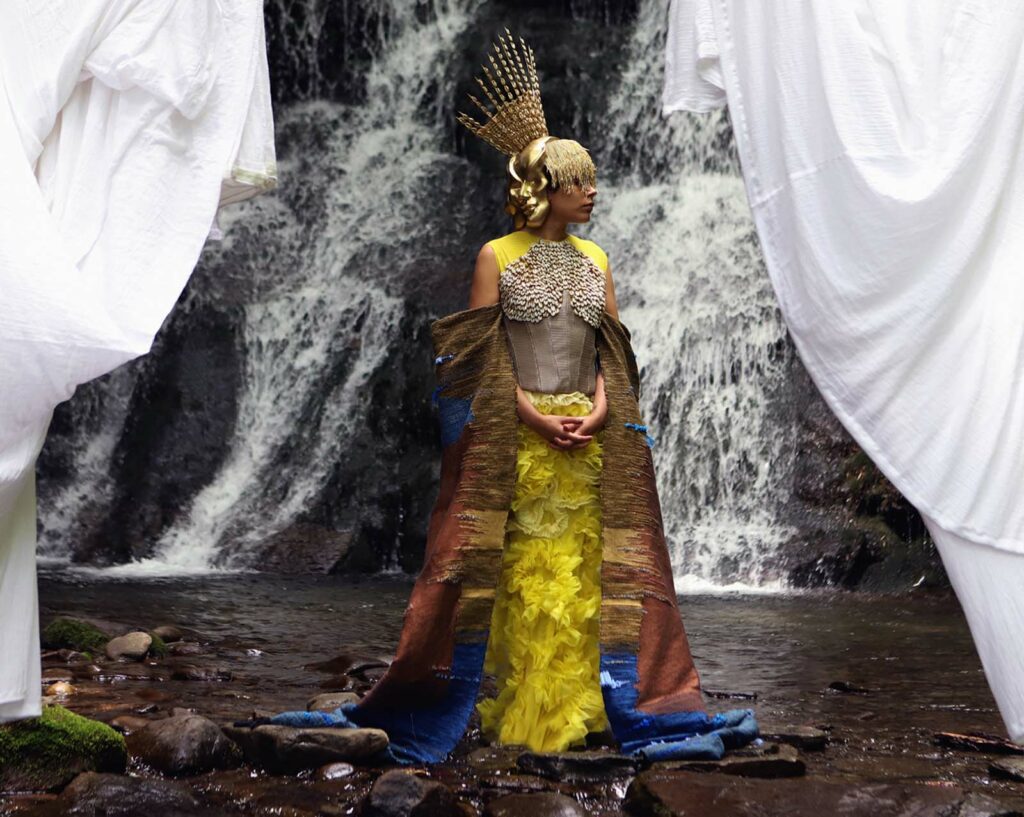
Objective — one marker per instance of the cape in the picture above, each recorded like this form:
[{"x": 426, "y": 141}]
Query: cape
[{"x": 650, "y": 687}]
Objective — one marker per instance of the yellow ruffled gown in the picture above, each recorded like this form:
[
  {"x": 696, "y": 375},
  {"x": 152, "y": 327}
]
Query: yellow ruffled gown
[{"x": 543, "y": 646}]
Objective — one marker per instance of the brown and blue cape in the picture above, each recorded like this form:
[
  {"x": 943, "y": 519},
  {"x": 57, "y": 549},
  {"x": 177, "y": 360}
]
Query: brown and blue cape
[{"x": 650, "y": 687}]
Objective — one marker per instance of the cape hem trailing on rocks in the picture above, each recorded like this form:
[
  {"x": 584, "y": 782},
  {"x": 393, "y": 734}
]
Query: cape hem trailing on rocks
[{"x": 650, "y": 687}]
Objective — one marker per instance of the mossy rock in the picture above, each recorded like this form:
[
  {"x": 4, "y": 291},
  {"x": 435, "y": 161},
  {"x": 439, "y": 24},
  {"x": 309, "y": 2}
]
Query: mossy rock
[
  {"x": 73, "y": 634},
  {"x": 46, "y": 753},
  {"x": 158, "y": 648}
]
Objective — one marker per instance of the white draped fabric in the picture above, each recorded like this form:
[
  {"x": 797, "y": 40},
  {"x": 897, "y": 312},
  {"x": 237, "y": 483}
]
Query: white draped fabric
[
  {"x": 123, "y": 125},
  {"x": 881, "y": 145}
]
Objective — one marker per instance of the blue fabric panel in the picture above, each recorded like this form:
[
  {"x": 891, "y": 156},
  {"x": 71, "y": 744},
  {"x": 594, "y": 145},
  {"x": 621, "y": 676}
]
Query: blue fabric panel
[
  {"x": 455, "y": 412},
  {"x": 675, "y": 735},
  {"x": 418, "y": 734}
]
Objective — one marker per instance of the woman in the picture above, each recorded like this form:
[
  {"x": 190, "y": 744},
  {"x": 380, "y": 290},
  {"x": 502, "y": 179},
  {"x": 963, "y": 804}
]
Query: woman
[{"x": 546, "y": 563}]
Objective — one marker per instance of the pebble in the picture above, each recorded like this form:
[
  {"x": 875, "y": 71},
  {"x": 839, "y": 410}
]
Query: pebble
[{"x": 334, "y": 771}]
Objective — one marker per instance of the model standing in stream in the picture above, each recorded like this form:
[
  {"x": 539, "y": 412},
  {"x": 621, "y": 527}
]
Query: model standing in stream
[{"x": 546, "y": 564}]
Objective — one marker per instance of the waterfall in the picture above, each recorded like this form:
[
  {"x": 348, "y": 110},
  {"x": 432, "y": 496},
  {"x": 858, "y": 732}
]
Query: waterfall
[
  {"x": 319, "y": 282},
  {"x": 325, "y": 317},
  {"x": 707, "y": 333}
]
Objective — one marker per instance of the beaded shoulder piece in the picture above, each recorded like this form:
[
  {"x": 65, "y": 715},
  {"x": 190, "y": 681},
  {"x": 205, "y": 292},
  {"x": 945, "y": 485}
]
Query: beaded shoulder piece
[{"x": 532, "y": 286}]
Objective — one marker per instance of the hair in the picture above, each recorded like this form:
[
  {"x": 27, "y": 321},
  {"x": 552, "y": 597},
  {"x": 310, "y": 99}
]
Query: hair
[{"x": 546, "y": 163}]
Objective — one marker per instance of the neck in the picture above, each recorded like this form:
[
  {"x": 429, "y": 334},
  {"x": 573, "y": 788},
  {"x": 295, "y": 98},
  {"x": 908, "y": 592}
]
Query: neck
[{"x": 551, "y": 230}]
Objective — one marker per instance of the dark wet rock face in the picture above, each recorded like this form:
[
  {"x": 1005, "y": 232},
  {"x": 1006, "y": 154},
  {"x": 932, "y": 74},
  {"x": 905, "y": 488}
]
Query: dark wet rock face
[
  {"x": 662, "y": 794},
  {"x": 855, "y": 530},
  {"x": 184, "y": 744}
]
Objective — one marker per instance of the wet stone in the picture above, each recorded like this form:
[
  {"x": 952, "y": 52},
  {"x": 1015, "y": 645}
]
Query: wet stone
[
  {"x": 60, "y": 689},
  {"x": 808, "y": 738},
  {"x": 184, "y": 744},
  {"x": 577, "y": 766},
  {"x": 505, "y": 783},
  {"x": 185, "y": 648},
  {"x": 133, "y": 645},
  {"x": 193, "y": 673},
  {"x": 770, "y": 760},
  {"x": 286, "y": 750},
  {"x": 92, "y": 794},
  {"x": 978, "y": 742},
  {"x": 1010, "y": 768},
  {"x": 129, "y": 723},
  {"x": 168, "y": 632},
  {"x": 848, "y": 688},
  {"x": 546, "y": 804},
  {"x": 57, "y": 674},
  {"x": 329, "y": 701},
  {"x": 666, "y": 793},
  {"x": 494, "y": 758},
  {"x": 402, "y": 794}
]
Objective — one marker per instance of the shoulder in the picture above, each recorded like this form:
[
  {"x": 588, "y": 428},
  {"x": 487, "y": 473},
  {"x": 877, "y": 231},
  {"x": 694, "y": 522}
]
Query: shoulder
[
  {"x": 509, "y": 247},
  {"x": 590, "y": 248}
]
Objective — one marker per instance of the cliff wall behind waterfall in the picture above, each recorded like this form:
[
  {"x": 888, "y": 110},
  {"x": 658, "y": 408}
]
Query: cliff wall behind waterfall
[{"x": 283, "y": 419}]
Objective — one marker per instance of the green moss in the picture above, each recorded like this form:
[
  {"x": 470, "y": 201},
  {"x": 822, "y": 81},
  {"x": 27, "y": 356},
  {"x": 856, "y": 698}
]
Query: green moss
[
  {"x": 45, "y": 753},
  {"x": 73, "y": 634},
  {"x": 159, "y": 647}
]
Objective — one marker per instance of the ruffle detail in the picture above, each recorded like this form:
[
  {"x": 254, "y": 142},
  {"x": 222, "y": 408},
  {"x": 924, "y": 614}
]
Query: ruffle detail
[{"x": 544, "y": 640}]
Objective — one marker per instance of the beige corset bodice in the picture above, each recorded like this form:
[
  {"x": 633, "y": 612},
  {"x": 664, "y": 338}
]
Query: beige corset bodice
[{"x": 553, "y": 298}]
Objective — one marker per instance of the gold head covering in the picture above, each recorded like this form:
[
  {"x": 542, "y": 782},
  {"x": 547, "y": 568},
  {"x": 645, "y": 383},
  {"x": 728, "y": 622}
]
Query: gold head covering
[{"x": 516, "y": 126}]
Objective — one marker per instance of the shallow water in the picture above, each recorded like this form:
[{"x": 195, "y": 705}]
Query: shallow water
[{"x": 913, "y": 655}]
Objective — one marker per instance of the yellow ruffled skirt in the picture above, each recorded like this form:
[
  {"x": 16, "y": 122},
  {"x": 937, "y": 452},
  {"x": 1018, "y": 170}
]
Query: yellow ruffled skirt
[{"x": 543, "y": 647}]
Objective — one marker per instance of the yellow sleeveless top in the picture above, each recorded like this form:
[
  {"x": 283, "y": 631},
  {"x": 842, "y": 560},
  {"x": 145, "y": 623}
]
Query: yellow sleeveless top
[{"x": 509, "y": 247}]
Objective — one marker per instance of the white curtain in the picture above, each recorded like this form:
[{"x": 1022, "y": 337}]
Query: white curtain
[
  {"x": 123, "y": 125},
  {"x": 881, "y": 143}
]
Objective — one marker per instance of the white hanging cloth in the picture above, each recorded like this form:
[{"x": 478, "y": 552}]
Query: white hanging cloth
[
  {"x": 881, "y": 143},
  {"x": 123, "y": 125}
]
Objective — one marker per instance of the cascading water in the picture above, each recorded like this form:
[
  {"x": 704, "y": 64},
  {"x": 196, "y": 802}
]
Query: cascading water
[
  {"x": 328, "y": 307},
  {"x": 320, "y": 271},
  {"x": 706, "y": 330}
]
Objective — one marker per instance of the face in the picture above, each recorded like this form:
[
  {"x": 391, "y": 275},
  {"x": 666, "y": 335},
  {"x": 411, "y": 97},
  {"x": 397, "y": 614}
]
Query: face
[{"x": 572, "y": 206}]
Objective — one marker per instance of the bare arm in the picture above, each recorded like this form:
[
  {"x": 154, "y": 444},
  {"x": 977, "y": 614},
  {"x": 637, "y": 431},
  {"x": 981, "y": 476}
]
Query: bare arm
[
  {"x": 484, "y": 289},
  {"x": 610, "y": 306}
]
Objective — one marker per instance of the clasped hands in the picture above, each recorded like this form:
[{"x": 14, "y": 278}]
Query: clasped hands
[{"x": 562, "y": 432}]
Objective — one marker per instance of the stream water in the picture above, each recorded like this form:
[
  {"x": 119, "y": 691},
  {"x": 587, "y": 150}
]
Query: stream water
[{"x": 913, "y": 656}]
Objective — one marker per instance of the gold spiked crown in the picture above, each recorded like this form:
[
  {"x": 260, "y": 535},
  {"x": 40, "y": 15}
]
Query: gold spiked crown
[{"x": 518, "y": 116}]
